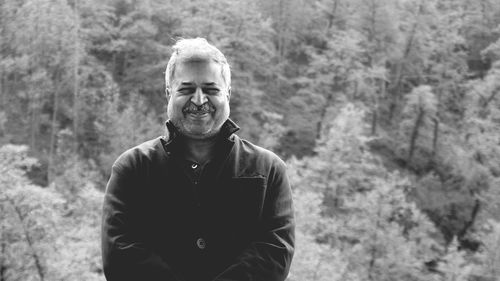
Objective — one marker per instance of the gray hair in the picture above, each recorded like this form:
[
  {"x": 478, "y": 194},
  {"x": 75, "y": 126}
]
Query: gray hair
[{"x": 196, "y": 49}]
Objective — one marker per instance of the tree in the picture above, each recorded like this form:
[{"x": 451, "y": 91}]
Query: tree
[
  {"x": 358, "y": 213},
  {"x": 314, "y": 261},
  {"x": 43, "y": 41},
  {"x": 489, "y": 258},
  {"x": 385, "y": 235},
  {"x": 79, "y": 253},
  {"x": 455, "y": 265},
  {"x": 132, "y": 41},
  {"x": 420, "y": 109},
  {"x": 27, "y": 219},
  {"x": 48, "y": 233},
  {"x": 122, "y": 125},
  {"x": 351, "y": 91}
]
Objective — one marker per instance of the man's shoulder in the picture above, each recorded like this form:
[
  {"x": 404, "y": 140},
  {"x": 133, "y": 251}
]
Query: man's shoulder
[
  {"x": 140, "y": 154},
  {"x": 248, "y": 150}
]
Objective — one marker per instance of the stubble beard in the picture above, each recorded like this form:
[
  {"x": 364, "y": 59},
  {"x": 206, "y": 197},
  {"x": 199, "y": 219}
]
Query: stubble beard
[{"x": 186, "y": 128}]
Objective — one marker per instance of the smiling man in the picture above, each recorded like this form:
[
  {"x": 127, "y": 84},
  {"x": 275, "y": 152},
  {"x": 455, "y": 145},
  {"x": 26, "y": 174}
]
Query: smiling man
[{"x": 199, "y": 203}]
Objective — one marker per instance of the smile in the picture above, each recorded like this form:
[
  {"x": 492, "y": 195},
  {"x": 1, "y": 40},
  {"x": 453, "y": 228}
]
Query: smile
[{"x": 198, "y": 115}]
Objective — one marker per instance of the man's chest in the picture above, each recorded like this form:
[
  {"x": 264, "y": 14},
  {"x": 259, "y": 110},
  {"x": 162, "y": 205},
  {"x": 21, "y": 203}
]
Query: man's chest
[{"x": 176, "y": 198}]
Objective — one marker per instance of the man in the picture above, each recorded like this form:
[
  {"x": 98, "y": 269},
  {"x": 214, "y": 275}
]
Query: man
[{"x": 200, "y": 203}]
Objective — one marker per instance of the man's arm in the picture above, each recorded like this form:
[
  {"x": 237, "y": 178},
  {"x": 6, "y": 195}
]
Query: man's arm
[
  {"x": 125, "y": 256},
  {"x": 269, "y": 256}
]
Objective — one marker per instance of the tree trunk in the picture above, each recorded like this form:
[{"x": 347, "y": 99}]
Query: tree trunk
[
  {"x": 280, "y": 42},
  {"x": 33, "y": 101},
  {"x": 332, "y": 15},
  {"x": 3, "y": 267},
  {"x": 396, "y": 90},
  {"x": 356, "y": 89},
  {"x": 2, "y": 97},
  {"x": 53, "y": 133},
  {"x": 414, "y": 134},
  {"x": 3, "y": 250},
  {"x": 324, "y": 110},
  {"x": 374, "y": 121},
  {"x": 76, "y": 78},
  {"x": 435, "y": 136},
  {"x": 373, "y": 249},
  {"x": 373, "y": 20},
  {"x": 376, "y": 106},
  {"x": 29, "y": 241},
  {"x": 114, "y": 65},
  {"x": 487, "y": 101},
  {"x": 282, "y": 30},
  {"x": 371, "y": 265}
]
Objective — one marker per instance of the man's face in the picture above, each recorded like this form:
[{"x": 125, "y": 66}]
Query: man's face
[{"x": 198, "y": 99}]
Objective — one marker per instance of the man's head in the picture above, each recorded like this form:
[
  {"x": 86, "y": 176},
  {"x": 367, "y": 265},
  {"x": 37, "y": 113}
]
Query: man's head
[{"x": 198, "y": 88}]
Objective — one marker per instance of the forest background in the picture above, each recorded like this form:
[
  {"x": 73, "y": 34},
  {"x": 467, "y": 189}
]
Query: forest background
[{"x": 386, "y": 111}]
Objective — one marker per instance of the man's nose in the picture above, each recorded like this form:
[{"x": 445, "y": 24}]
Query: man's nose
[{"x": 199, "y": 97}]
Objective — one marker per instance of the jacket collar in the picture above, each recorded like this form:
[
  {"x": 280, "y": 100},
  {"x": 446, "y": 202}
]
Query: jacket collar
[{"x": 228, "y": 128}]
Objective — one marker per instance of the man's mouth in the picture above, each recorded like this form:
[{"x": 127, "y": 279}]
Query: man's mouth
[{"x": 198, "y": 111}]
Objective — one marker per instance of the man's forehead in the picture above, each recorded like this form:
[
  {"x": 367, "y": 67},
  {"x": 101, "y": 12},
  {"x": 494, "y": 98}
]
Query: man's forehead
[
  {"x": 195, "y": 61},
  {"x": 190, "y": 83},
  {"x": 197, "y": 67}
]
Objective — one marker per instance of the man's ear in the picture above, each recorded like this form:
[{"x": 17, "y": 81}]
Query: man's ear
[
  {"x": 229, "y": 93},
  {"x": 167, "y": 93}
]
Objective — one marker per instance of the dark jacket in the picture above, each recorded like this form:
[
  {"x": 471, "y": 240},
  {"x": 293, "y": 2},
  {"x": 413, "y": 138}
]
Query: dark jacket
[{"x": 236, "y": 224}]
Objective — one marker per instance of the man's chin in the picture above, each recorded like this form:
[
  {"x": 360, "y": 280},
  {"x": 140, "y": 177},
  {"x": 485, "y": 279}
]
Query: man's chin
[
  {"x": 200, "y": 133},
  {"x": 195, "y": 130}
]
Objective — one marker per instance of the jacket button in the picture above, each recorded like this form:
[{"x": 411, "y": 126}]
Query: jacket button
[{"x": 201, "y": 243}]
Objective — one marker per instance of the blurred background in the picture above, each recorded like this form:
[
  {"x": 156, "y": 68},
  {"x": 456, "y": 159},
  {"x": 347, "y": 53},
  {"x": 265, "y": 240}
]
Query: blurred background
[{"x": 387, "y": 113}]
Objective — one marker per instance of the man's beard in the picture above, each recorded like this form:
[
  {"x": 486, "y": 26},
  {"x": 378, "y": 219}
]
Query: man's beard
[{"x": 183, "y": 125}]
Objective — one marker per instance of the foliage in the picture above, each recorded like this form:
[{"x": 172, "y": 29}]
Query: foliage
[
  {"x": 387, "y": 111},
  {"x": 313, "y": 260},
  {"x": 122, "y": 126},
  {"x": 420, "y": 115},
  {"x": 26, "y": 218},
  {"x": 33, "y": 219},
  {"x": 489, "y": 259},
  {"x": 455, "y": 265},
  {"x": 362, "y": 223}
]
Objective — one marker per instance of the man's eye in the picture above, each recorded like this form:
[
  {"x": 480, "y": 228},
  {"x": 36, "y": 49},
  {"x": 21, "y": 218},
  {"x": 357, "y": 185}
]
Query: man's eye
[
  {"x": 212, "y": 91},
  {"x": 186, "y": 91}
]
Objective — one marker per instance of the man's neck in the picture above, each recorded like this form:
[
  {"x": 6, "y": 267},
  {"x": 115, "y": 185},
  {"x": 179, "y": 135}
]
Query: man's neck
[{"x": 199, "y": 151}]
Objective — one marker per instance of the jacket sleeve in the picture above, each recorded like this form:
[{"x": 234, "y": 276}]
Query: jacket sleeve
[
  {"x": 125, "y": 256},
  {"x": 269, "y": 256}
]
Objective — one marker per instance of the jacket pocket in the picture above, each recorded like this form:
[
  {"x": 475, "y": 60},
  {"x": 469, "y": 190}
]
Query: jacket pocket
[{"x": 244, "y": 198}]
